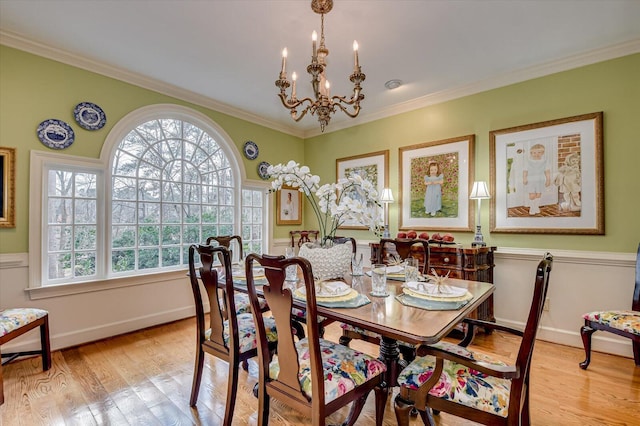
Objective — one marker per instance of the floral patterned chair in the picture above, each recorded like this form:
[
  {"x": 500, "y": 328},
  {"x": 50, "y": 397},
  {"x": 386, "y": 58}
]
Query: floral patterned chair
[
  {"x": 313, "y": 375},
  {"x": 391, "y": 250},
  {"x": 621, "y": 322},
  {"x": 242, "y": 300},
  {"x": 230, "y": 336},
  {"x": 17, "y": 321},
  {"x": 451, "y": 378}
]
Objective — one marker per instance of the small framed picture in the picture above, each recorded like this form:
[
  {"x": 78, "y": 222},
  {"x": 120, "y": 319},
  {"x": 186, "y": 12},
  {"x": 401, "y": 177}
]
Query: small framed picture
[
  {"x": 288, "y": 206},
  {"x": 548, "y": 177},
  {"x": 436, "y": 179},
  {"x": 7, "y": 187}
]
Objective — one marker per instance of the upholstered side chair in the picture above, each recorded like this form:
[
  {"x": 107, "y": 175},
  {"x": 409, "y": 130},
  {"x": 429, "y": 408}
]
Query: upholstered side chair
[
  {"x": 391, "y": 250},
  {"x": 242, "y": 300},
  {"x": 454, "y": 379},
  {"x": 621, "y": 322},
  {"x": 15, "y": 322},
  {"x": 229, "y": 336},
  {"x": 312, "y": 375}
]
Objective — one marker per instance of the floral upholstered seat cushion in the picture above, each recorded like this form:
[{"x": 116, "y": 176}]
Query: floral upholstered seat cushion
[
  {"x": 302, "y": 314},
  {"x": 12, "y": 319},
  {"x": 459, "y": 383},
  {"x": 344, "y": 368},
  {"x": 247, "y": 332},
  {"x": 628, "y": 321},
  {"x": 243, "y": 305},
  {"x": 349, "y": 327}
]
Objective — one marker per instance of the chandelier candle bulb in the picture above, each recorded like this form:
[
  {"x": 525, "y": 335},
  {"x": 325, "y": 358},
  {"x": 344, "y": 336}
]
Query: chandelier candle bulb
[
  {"x": 294, "y": 77},
  {"x": 314, "y": 37},
  {"x": 355, "y": 55},
  {"x": 284, "y": 61}
]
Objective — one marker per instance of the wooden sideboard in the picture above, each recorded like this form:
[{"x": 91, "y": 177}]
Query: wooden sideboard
[{"x": 469, "y": 263}]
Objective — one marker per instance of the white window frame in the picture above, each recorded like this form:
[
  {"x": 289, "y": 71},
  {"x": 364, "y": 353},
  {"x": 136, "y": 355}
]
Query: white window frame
[{"x": 42, "y": 161}]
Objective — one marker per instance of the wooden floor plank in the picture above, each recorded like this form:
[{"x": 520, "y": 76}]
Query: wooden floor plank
[{"x": 145, "y": 378}]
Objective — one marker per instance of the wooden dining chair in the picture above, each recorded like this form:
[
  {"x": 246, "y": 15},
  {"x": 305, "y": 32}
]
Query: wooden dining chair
[
  {"x": 229, "y": 336},
  {"x": 300, "y": 237},
  {"x": 391, "y": 250},
  {"x": 312, "y": 375},
  {"x": 621, "y": 322},
  {"x": 15, "y": 322},
  {"x": 242, "y": 300},
  {"x": 451, "y": 378}
]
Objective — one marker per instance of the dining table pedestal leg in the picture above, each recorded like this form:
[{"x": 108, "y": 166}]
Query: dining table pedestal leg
[{"x": 390, "y": 355}]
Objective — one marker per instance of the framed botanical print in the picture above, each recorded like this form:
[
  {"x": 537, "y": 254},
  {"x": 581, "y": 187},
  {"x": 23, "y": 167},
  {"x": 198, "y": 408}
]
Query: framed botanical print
[
  {"x": 7, "y": 187},
  {"x": 373, "y": 167},
  {"x": 548, "y": 177},
  {"x": 288, "y": 206},
  {"x": 435, "y": 181}
]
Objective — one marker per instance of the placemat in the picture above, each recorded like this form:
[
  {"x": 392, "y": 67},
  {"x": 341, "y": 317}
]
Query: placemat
[
  {"x": 431, "y": 305},
  {"x": 351, "y": 300}
]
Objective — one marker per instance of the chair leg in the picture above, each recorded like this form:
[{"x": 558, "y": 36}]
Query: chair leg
[
  {"x": 1, "y": 386},
  {"x": 402, "y": 409},
  {"x": 232, "y": 390},
  {"x": 45, "y": 344},
  {"x": 197, "y": 376},
  {"x": 586, "y": 333},
  {"x": 356, "y": 409},
  {"x": 344, "y": 340},
  {"x": 636, "y": 352},
  {"x": 381, "y": 402}
]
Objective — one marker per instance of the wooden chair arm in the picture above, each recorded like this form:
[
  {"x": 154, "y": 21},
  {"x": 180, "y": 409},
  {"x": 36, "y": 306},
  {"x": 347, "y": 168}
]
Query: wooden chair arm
[
  {"x": 501, "y": 371},
  {"x": 492, "y": 325}
]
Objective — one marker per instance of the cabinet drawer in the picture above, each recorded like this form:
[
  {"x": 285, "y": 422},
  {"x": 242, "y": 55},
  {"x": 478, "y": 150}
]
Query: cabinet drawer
[{"x": 445, "y": 259}]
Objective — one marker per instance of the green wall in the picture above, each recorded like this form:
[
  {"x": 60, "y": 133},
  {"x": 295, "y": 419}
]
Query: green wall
[
  {"x": 612, "y": 87},
  {"x": 33, "y": 89}
]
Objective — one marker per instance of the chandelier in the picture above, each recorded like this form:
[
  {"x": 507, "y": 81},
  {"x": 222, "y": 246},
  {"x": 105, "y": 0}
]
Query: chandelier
[{"x": 324, "y": 104}]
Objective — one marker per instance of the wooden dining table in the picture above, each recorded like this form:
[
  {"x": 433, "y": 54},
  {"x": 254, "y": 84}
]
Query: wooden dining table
[{"x": 396, "y": 322}]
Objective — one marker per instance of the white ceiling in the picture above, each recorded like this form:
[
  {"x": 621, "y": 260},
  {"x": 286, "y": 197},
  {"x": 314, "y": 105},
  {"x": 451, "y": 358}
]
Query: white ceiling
[{"x": 225, "y": 54}]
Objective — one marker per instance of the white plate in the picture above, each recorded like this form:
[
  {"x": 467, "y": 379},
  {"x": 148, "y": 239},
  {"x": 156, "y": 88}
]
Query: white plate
[
  {"x": 329, "y": 289},
  {"x": 395, "y": 269},
  {"x": 429, "y": 289}
]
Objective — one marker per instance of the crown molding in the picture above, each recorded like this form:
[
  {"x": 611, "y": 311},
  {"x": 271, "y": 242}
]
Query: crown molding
[
  {"x": 18, "y": 42},
  {"x": 585, "y": 58}
]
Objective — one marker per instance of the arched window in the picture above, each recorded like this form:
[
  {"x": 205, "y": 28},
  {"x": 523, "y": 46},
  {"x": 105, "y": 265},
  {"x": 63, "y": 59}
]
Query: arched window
[
  {"x": 172, "y": 186},
  {"x": 168, "y": 177}
]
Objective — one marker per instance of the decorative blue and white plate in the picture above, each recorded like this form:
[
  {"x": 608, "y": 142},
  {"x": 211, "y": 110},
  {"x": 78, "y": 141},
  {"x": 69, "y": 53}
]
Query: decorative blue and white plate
[
  {"x": 251, "y": 150},
  {"x": 89, "y": 116},
  {"x": 55, "y": 134},
  {"x": 262, "y": 170}
]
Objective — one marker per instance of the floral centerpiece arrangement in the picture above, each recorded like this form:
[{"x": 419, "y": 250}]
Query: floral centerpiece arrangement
[{"x": 351, "y": 199}]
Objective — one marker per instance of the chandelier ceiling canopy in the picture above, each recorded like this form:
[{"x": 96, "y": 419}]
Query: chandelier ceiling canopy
[{"x": 323, "y": 104}]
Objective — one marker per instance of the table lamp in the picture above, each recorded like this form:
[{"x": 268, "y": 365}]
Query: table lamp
[
  {"x": 479, "y": 192},
  {"x": 385, "y": 198}
]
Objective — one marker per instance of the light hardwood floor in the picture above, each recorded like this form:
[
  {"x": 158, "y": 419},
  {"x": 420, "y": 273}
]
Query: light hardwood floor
[{"x": 144, "y": 378}]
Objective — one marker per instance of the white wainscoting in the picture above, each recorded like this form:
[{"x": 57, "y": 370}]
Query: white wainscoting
[{"x": 581, "y": 281}]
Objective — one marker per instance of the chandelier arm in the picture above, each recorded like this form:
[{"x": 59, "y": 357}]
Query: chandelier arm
[
  {"x": 356, "y": 109},
  {"x": 291, "y": 104}
]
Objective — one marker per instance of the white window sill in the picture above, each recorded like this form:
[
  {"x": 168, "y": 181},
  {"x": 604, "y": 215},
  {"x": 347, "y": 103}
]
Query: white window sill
[{"x": 101, "y": 285}]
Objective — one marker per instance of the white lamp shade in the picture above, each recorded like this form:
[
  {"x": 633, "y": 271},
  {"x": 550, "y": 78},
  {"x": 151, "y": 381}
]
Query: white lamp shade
[
  {"x": 479, "y": 191},
  {"x": 386, "y": 196}
]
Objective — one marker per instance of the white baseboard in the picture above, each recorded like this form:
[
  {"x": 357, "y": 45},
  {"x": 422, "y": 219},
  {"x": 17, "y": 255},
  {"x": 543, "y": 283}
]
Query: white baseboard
[
  {"x": 91, "y": 334},
  {"x": 600, "y": 342}
]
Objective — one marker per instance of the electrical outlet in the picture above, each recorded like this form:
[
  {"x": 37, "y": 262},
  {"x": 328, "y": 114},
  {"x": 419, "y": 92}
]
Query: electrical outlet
[{"x": 547, "y": 302}]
